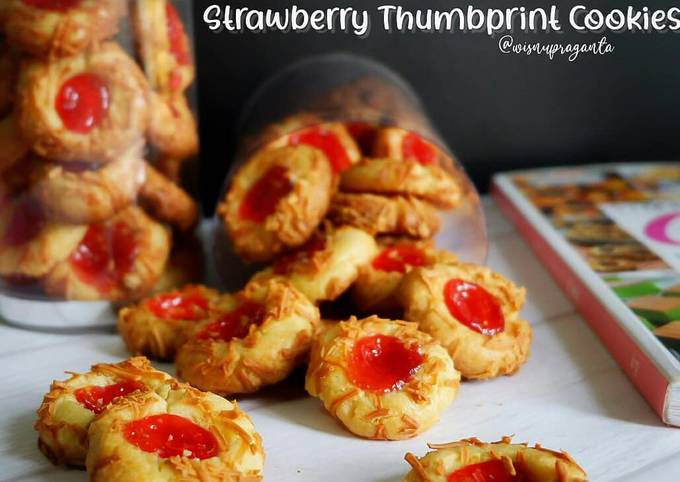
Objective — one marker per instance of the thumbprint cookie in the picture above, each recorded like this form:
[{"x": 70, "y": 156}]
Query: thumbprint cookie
[
  {"x": 71, "y": 405},
  {"x": 187, "y": 435},
  {"x": 376, "y": 287},
  {"x": 88, "y": 193},
  {"x": 471, "y": 311},
  {"x": 332, "y": 139},
  {"x": 166, "y": 201},
  {"x": 164, "y": 46},
  {"x": 382, "y": 379},
  {"x": 87, "y": 108},
  {"x": 264, "y": 332},
  {"x": 402, "y": 145},
  {"x": 276, "y": 201},
  {"x": 390, "y": 215},
  {"x": 116, "y": 260},
  {"x": 393, "y": 176},
  {"x": 61, "y": 27},
  {"x": 157, "y": 326},
  {"x": 472, "y": 460},
  {"x": 327, "y": 265},
  {"x": 30, "y": 244}
]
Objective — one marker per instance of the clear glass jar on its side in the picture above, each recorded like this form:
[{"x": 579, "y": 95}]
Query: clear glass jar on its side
[
  {"x": 97, "y": 127},
  {"x": 354, "y": 110}
]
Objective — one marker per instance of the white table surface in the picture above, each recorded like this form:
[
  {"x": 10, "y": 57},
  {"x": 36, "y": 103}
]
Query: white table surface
[{"x": 571, "y": 395}]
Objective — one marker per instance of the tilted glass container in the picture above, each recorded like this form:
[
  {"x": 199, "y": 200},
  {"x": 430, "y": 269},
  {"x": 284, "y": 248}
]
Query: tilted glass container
[
  {"x": 97, "y": 134},
  {"x": 351, "y": 109}
]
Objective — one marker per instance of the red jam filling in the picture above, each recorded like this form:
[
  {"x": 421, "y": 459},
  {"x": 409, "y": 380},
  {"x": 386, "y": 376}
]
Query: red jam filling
[
  {"x": 491, "y": 471},
  {"x": 179, "y": 305},
  {"x": 415, "y": 147},
  {"x": 326, "y": 141},
  {"x": 235, "y": 324},
  {"x": 105, "y": 255},
  {"x": 398, "y": 258},
  {"x": 285, "y": 264},
  {"x": 55, "y": 5},
  {"x": 82, "y": 102},
  {"x": 177, "y": 35},
  {"x": 27, "y": 221},
  {"x": 364, "y": 134},
  {"x": 97, "y": 399},
  {"x": 382, "y": 363},
  {"x": 170, "y": 435},
  {"x": 474, "y": 307},
  {"x": 260, "y": 202}
]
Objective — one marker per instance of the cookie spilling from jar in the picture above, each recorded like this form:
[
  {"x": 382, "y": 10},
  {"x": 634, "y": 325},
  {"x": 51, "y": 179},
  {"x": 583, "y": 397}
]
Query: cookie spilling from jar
[
  {"x": 86, "y": 212},
  {"x": 120, "y": 419}
]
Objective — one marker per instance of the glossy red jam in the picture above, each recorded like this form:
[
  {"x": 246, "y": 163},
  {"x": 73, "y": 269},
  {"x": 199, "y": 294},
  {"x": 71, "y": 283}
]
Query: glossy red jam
[
  {"x": 415, "y": 147},
  {"x": 177, "y": 35},
  {"x": 82, "y": 102},
  {"x": 364, "y": 134},
  {"x": 382, "y": 363},
  {"x": 303, "y": 254},
  {"x": 105, "y": 255},
  {"x": 398, "y": 258},
  {"x": 96, "y": 398},
  {"x": 170, "y": 435},
  {"x": 55, "y": 5},
  {"x": 235, "y": 324},
  {"x": 260, "y": 202},
  {"x": 27, "y": 221},
  {"x": 179, "y": 305},
  {"x": 474, "y": 307},
  {"x": 491, "y": 471},
  {"x": 326, "y": 141}
]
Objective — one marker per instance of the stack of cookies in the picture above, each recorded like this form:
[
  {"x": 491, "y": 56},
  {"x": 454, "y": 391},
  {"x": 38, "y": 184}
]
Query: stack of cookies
[{"x": 83, "y": 214}]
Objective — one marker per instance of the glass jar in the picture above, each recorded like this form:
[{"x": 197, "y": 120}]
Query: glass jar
[
  {"x": 350, "y": 108},
  {"x": 98, "y": 132}
]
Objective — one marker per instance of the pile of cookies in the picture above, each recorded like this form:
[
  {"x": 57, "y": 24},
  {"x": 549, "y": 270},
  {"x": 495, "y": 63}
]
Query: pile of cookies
[
  {"x": 428, "y": 319},
  {"x": 83, "y": 214},
  {"x": 130, "y": 422},
  {"x": 127, "y": 421}
]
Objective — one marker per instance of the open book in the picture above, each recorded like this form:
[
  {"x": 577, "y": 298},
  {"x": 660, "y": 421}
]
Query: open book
[{"x": 610, "y": 236}]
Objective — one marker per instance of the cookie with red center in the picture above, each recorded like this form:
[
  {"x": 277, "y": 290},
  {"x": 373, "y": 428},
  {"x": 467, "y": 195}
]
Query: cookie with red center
[
  {"x": 159, "y": 325},
  {"x": 381, "y": 214},
  {"x": 30, "y": 244},
  {"x": 327, "y": 265},
  {"x": 48, "y": 28},
  {"x": 385, "y": 175},
  {"x": 164, "y": 46},
  {"x": 276, "y": 201},
  {"x": 382, "y": 379},
  {"x": 332, "y": 139},
  {"x": 471, "y": 311},
  {"x": 472, "y": 460},
  {"x": 173, "y": 130},
  {"x": 88, "y": 193},
  {"x": 71, "y": 405},
  {"x": 87, "y": 108},
  {"x": 260, "y": 335},
  {"x": 168, "y": 202},
  {"x": 121, "y": 259},
  {"x": 375, "y": 288},
  {"x": 402, "y": 145},
  {"x": 185, "y": 435}
]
